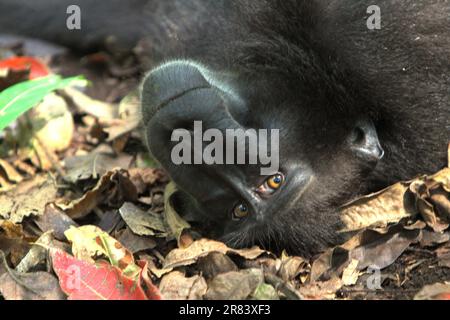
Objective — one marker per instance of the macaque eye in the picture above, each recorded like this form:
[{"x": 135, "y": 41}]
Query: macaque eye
[
  {"x": 240, "y": 211},
  {"x": 275, "y": 182},
  {"x": 271, "y": 185}
]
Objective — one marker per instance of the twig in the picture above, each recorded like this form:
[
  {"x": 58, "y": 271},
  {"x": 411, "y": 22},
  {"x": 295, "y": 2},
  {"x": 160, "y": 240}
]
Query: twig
[
  {"x": 14, "y": 277},
  {"x": 281, "y": 286}
]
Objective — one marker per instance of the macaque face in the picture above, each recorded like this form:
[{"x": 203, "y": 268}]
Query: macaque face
[{"x": 290, "y": 167}]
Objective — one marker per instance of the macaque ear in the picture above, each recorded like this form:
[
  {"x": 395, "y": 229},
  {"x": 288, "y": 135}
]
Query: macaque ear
[{"x": 177, "y": 94}]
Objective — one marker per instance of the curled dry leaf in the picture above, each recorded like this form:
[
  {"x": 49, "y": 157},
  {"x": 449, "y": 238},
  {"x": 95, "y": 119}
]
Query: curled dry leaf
[
  {"x": 369, "y": 248},
  {"x": 433, "y": 199},
  {"x": 90, "y": 106},
  {"x": 37, "y": 253},
  {"x": 113, "y": 189},
  {"x": 203, "y": 247},
  {"x": 379, "y": 209},
  {"x": 292, "y": 267},
  {"x": 150, "y": 289},
  {"x": 266, "y": 262},
  {"x": 427, "y": 195},
  {"x": 176, "y": 224}
]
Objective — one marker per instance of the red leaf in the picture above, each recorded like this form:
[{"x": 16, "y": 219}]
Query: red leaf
[
  {"x": 37, "y": 68},
  {"x": 150, "y": 289},
  {"x": 82, "y": 280},
  {"x": 442, "y": 296}
]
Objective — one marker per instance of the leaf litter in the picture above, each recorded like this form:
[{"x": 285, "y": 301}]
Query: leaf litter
[{"x": 86, "y": 217}]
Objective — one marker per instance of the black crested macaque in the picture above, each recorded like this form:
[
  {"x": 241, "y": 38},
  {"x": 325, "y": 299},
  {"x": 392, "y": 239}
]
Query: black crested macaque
[{"x": 357, "y": 109}]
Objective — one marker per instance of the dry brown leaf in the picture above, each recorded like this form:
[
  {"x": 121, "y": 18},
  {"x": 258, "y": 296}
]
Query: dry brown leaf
[
  {"x": 370, "y": 248},
  {"x": 120, "y": 127},
  {"x": 214, "y": 264},
  {"x": 141, "y": 222},
  {"x": 433, "y": 199},
  {"x": 11, "y": 173},
  {"x": 430, "y": 239},
  {"x": 93, "y": 165},
  {"x": 350, "y": 274},
  {"x": 321, "y": 290},
  {"x": 129, "y": 117},
  {"x": 438, "y": 291},
  {"x": 235, "y": 285},
  {"x": 427, "y": 195},
  {"x": 27, "y": 198},
  {"x": 379, "y": 209},
  {"x": 11, "y": 230},
  {"x": 136, "y": 243},
  {"x": 292, "y": 267},
  {"x": 90, "y": 106},
  {"x": 144, "y": 178},
  {"x": 113, "y": 189},
  {"x": 159, "y": 273},
  {"x": 31, "y": 286},
  {"x": 173, "y": 220},
  {"x": 37, "y": 253},
  {"x": 55, "y": 220},
  {"x": 176, "y": 286},
  {"x": 443, "y": 255},
  {"x": 382, "y": 250},
  {"x": 41, "y": 156},
  {"x": 203, "y": 247}
]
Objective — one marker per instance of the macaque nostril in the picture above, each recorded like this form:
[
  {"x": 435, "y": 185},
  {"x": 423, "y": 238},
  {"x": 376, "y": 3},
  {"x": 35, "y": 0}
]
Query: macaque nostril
[{"x": 358, "y": 136}]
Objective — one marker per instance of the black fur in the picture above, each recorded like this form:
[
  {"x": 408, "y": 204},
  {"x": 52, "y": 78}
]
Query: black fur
[{"x": 309, "y": 68}]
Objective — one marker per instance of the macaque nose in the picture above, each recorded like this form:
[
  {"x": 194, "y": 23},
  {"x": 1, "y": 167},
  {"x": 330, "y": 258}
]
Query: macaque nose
[{"x": 365, "y": 143}]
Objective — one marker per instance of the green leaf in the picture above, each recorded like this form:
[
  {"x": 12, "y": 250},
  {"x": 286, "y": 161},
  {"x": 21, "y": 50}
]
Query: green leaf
[{"x": 16, "y": 100}]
